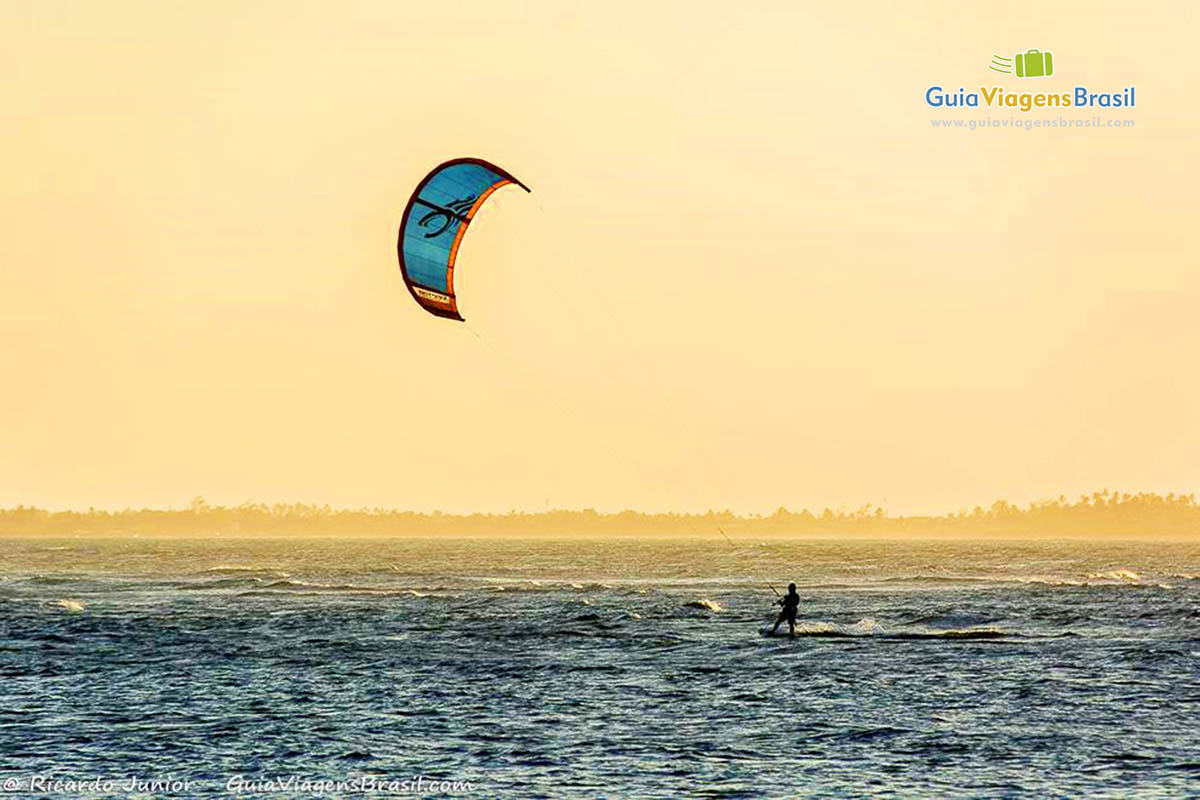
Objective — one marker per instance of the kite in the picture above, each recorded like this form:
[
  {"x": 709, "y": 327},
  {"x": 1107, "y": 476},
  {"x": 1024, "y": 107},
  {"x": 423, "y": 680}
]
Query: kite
[{"x": 433, "y": 225}]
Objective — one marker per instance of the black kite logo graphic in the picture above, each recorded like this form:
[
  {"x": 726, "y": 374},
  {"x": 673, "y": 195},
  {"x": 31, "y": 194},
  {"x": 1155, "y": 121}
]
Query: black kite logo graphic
[{"x": 455, "y": 209}]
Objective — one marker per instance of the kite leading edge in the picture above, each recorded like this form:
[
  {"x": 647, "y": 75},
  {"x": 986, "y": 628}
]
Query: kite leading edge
[{"x": 434, "y": 221}]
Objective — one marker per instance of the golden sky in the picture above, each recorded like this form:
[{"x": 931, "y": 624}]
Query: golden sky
[{"x": 750, "y": 273}]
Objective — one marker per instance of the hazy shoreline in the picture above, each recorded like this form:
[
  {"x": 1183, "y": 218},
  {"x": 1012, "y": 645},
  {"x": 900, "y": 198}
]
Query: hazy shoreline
[
  {"x": 1104, "y": 515},
  {"x": 741, "y": 539}
]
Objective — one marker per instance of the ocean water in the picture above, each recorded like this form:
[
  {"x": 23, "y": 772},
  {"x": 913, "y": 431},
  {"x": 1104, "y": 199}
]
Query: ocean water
[{"x": 619, "y": 668}]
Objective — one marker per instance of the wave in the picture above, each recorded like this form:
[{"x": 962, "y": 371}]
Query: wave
[
  {"x": 261, "y": 588},
  {"x": 909, "y": 635},
  {"x": 339, "y": 588},
  {"x": 529, "y": 586},
  {"x": 225, "y": 569},
  {"x": 866, "y": 734},
  {"x": 1115, "y": 575},
  {"x": 940, "y": 579},
  {"x": 1111, "y": 579},
  {"x": 864, "y": 627},
  {"x": 223, "y": 583},
  {"x": 704, "y": 604},
  {"x": 960, "y": 620},
  {"x": 968, "y": 633},
  {"x": 870, "y": 629},
  {"x": 54, "y": 580},
  {"x": 1101, "y": 579},
  {"x": 1051, "y": 581}
]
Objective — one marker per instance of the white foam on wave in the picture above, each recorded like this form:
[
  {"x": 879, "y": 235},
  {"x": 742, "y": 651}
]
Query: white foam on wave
[
  {"x": 325, "y": 588},
  {"x": 864, "y": 627},
  {"x": 705, "y": 603},
  {"x": 1114, "y": 577},
  {"x": 71, "y": 606},
  {"x": 869, "y": 627},
  {"x": 241, "y": 569},
  {"x": 1127, "y": 575},
  {"x": 1046, "y": 580}
]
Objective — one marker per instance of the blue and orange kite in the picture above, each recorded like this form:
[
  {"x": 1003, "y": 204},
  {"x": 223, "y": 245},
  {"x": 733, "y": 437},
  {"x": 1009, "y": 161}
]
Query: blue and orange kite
[{"x": 432, "y": 228}]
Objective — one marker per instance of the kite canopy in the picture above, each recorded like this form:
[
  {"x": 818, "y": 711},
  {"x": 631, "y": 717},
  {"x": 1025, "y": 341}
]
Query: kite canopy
[{"x": 435, "y": 219}]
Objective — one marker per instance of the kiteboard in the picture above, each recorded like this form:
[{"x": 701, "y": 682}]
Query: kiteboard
[{"x": 767, "y": 633}]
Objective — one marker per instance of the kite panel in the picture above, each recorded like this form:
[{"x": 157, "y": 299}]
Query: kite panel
[{"x": 435, "y": 219}]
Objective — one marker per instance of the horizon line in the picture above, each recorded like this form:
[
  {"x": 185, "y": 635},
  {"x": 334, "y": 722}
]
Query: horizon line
[{"x": 198, "y": 504}]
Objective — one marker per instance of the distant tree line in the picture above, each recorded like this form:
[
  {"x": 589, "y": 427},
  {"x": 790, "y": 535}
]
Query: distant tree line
[{"x": 1101, "y": 513}]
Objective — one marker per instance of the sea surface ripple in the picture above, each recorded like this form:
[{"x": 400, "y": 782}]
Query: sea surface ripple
[{"x": 560, "y": 668}]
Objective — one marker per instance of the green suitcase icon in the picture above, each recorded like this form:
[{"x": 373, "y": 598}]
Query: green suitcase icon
[{"x": 1035, "y": 64}]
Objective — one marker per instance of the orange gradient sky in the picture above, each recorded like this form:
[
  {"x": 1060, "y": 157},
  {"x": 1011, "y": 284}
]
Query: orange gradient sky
[{"x": 751, "y": 273}]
